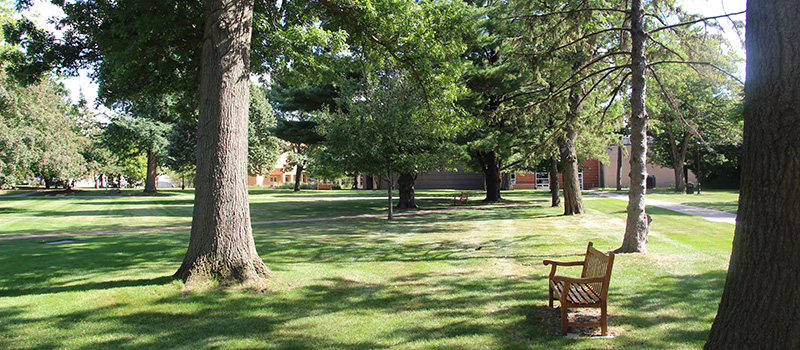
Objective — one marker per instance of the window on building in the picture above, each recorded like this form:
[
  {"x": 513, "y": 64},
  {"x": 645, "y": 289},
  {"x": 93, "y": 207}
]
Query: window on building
[{"x": 273, "y": 179}]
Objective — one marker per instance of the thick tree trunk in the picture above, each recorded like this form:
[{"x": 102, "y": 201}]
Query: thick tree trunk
[
  {"x": 221, "y": 245},
  {"x": 554, "y": 190},
  {"x": 490, "y": 164},
  {"x": 678, "y": 159},
  {"x": 406, "y": 186},
  {"x": 505, "y": 182},
  {"x": 573, "y": 201},
  {"x": 637, "y": 226},
  {"x": 152, "y": 172},
  {"x": 298, "y": 175},
  {"x": 619, "y": 167},
  {"x": 760, "y": 306}
]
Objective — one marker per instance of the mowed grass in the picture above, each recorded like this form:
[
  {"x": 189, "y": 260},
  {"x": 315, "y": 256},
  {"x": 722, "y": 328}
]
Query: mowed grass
[
  {"x": 465, "y": 279},
  {"x": 724, "y": 200}
]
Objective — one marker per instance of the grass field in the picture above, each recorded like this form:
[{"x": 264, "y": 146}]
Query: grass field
[{"x": 418, "y": 282}]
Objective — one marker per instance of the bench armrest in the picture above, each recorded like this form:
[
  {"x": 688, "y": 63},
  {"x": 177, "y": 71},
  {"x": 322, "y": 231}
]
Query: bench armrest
[
  {"x": 572, "y": 280},
  {"x": 562, "y": 263}
]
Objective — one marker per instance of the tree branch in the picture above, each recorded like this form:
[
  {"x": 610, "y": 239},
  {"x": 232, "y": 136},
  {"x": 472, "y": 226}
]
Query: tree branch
[
  {"x": 693, "y": 22},
  {"x": 699, "y": 63}
]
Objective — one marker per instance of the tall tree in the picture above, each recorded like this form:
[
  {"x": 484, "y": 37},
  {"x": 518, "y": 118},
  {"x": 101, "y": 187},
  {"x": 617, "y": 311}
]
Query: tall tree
[
  {"x": 760, "y": 306},
  {"x": 221, "y": 245},
  {"x": 128, "y": 137},
  {"x": 638, "y": 224},
  {"x": 387, "y": 132}
]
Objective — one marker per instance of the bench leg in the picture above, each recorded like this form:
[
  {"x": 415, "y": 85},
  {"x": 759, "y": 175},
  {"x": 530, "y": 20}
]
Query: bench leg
[
  {"x": 564, "y": 320},
  {"x": 551, "y": 297},
  {"x": 603, "y": 320}
]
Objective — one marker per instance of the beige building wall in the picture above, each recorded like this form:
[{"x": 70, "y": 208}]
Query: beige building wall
[{"x": 665, "y": 177}]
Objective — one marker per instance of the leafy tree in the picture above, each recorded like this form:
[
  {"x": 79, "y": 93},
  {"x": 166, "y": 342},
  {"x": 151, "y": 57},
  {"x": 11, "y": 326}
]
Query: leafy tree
[
  {"x": 182, "y": 149},
  {"x": 759, "y": 303},
  {"x": 263, "y": 148},
  {"x": 37, "y": 135},
  {"x": 129, "y": 137},
  {"x": 302, "y": 139},
  {"x": 386, "y": 132},
  {"x": 694, "y": 111}
]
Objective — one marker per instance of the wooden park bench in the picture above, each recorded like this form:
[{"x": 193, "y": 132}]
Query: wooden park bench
[
  {"x": 462, "y": 199},
  {"x": 590, "y": 290},
  {"x": 324, "y": 186}
]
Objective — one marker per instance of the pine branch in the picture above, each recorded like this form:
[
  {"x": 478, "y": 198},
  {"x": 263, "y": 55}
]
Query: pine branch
[
  {"x": 695, "y": 21},
  {"x": 699, "y": 63}
]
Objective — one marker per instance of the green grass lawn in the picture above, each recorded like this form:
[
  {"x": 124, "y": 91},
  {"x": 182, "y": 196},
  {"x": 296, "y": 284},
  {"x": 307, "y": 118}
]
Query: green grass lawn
[
  {"x": 418, "y": 282},
  {"x": 724, "y": 200}
]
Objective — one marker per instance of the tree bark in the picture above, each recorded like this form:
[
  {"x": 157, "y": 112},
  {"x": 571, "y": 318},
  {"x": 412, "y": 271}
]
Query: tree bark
[
  {"x": 490, "y": 164},
  {"x": 678, "y": 159},
  {"x": 573, "y": 201},
  {"x": 299, "y": 175},
  {"x": 152, "y": 172},
  {"x": 637, "y": 225},
  {"x": 407, "y": 194},
  {"x": 221, "y": 246},
  {"x": 554, "y": 190},
  {"x": 389, "y": 189},
  {"x": 760, "y": 306}
]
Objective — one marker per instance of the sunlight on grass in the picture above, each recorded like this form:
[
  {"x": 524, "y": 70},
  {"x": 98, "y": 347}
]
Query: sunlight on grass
[{"x": 465, "y": 279}]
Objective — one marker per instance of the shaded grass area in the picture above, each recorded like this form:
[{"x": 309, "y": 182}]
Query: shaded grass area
[{"x": 469, "y": 279}]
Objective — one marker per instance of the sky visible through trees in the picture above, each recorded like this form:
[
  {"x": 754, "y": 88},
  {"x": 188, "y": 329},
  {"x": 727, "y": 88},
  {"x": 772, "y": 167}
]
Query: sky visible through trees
[{"x": 83, "y": 83}]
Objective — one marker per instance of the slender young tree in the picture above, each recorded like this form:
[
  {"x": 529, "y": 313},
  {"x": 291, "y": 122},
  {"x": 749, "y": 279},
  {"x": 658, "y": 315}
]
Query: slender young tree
[
  {"x": 638, "y": 225},
  {"x": 221, "y": 245},
  {"x": 760, "y": 306}
]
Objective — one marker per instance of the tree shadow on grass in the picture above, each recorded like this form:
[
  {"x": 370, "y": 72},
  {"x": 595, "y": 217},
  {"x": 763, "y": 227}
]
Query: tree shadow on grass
[{"x": 669, "y": 302}]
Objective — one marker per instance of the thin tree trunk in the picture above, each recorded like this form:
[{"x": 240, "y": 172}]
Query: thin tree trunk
[
  {"x": 554, "y": 190},
  {"x": 221, "y": 245},
  {"x": 299, "y": 175},
  {"x": 97, "y": 181},
  {"x": 679, "y": 159},
  {"x": 405, "y": 184},
  {"x": 389, "y": 189},
  {"x": 760, "y": 306},
  {"x": 152, "y": 172},
  {"x": 637, "y": 225}
]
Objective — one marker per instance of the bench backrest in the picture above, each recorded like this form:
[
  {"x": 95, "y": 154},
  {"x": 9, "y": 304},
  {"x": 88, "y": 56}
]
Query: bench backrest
[{"x": 598, "y": 264}]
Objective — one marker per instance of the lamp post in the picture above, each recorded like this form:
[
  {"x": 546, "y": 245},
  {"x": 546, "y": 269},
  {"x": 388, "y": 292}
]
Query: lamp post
[{"x": 698, "y": 168}]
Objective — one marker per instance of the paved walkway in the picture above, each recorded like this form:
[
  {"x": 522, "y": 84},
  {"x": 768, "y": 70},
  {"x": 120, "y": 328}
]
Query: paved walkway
[{"x": 709, "y": 214}]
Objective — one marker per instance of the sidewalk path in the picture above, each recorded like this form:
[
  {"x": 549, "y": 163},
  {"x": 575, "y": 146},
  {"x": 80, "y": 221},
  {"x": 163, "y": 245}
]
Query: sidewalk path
[{"x": 708, "y": 214}]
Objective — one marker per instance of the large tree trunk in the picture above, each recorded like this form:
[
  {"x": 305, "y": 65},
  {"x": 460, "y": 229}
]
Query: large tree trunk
[
  {"x": 152, "y": 172},
  {"x": 555, "y": 198},
  {"x": 221, "y": 245},
  {"x": 490, "y": 164},
  {"x": 299, "y": 175},
  {"x": 573, "y": 201},
  {"x": 406, "y": 186},
  {"x": 760, "y": 307},
  {"x": 637, "y": 226}
]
